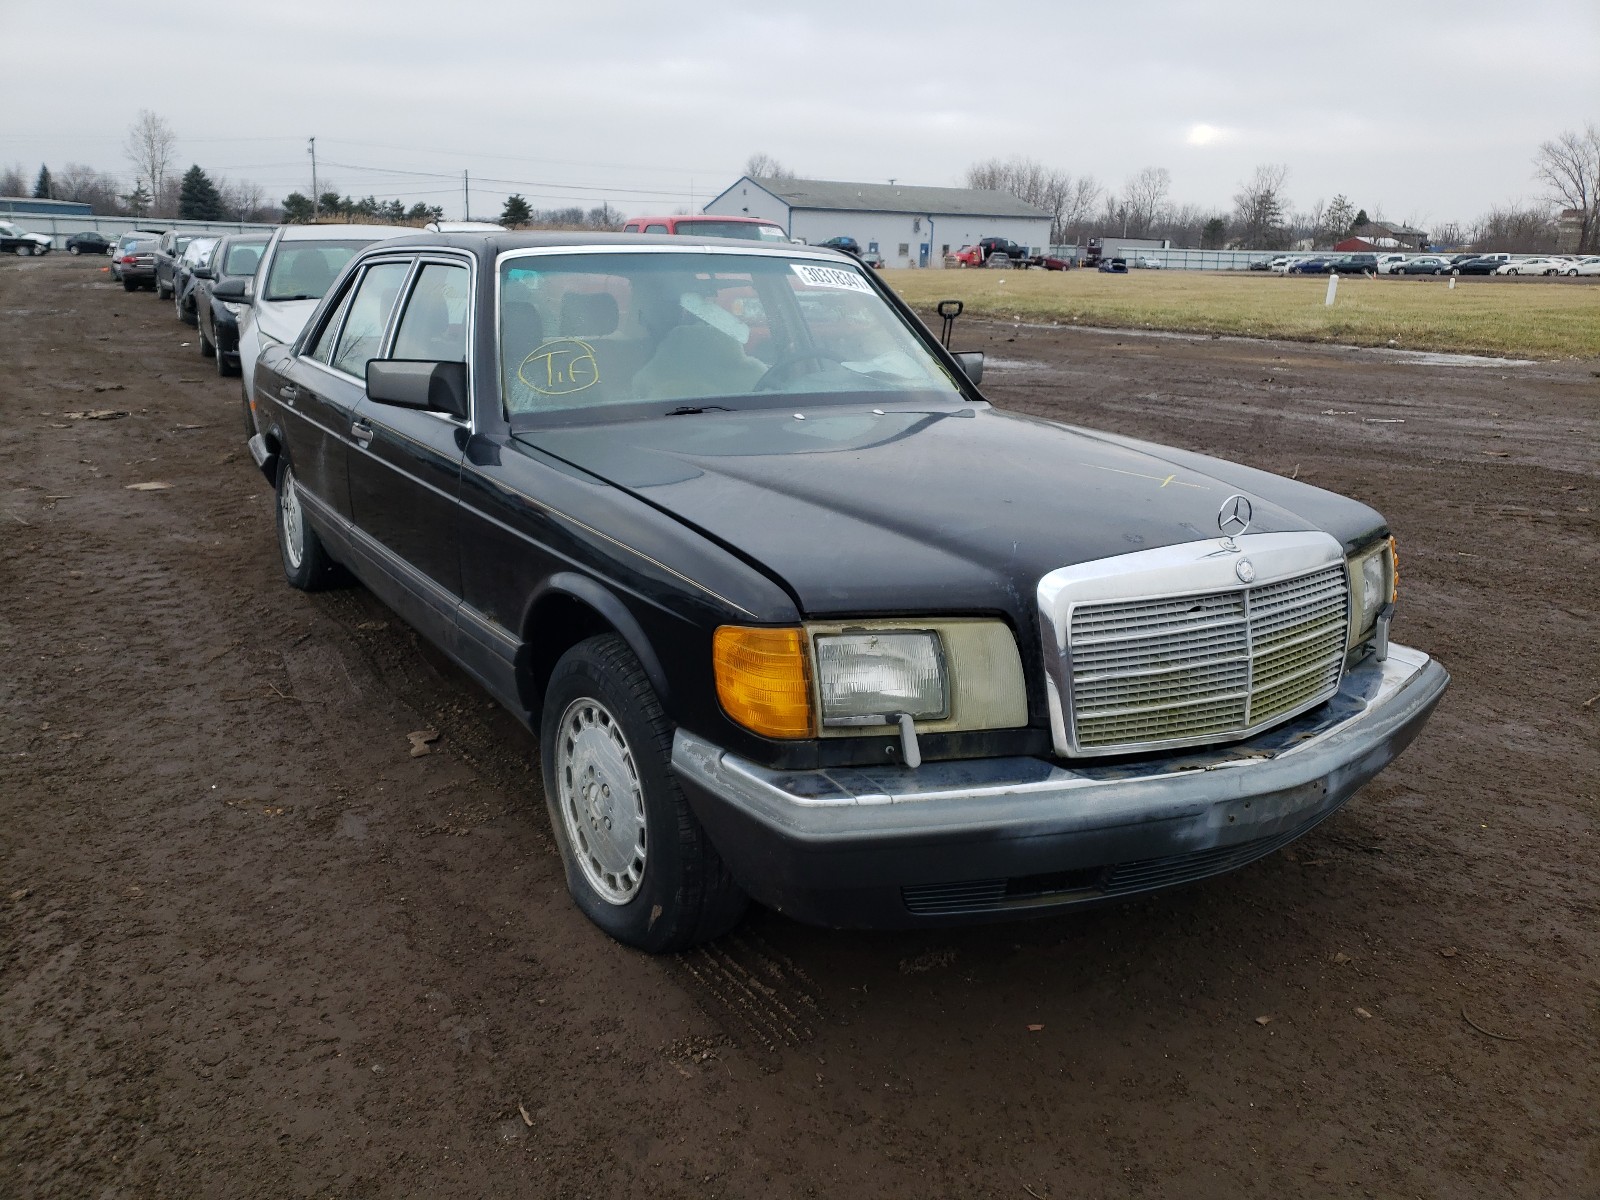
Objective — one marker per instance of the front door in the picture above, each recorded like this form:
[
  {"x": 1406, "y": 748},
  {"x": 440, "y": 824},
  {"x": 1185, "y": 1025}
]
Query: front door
[{"x": 405, "y": 464}]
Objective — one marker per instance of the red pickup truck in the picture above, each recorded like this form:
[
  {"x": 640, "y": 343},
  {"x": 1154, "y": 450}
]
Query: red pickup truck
[{"x": 752, "y": 229}]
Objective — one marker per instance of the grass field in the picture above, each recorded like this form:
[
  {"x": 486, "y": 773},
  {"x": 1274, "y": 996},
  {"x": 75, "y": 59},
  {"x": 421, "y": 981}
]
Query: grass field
[{"x": 1521, "y": 320}]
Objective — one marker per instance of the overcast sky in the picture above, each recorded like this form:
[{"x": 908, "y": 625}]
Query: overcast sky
[{"x": 1425, "y": 110}]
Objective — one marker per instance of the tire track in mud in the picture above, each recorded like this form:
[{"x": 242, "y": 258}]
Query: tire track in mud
[{"x": 759, "y": 997}]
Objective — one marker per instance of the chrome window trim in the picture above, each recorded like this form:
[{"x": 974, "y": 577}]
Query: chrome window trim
[{"x": 1185, "y": 569}]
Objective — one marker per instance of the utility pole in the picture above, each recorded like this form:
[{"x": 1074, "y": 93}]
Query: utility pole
[
  {"x": 466, "y": 198},
  {"x": 314, "y": 193}
]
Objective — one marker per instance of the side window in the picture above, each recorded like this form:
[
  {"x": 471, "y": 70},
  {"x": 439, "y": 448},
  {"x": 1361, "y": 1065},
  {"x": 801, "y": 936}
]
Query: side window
[
  {"x": 322, "y": 349},
  {"x": 433, "y": 327},
  {"x": 655, "y": 228},
  {"x": 370, "y": 306}
]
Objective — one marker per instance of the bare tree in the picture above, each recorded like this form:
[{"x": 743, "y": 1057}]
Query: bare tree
[
  {"x": 763, "y": 166},
  {"x": 245, "y": 201},
  {"x": 150, "y": 146},
  {"x": 1066, "y": 198},
  {"x": 13, "y": 182},
  {"x": 1569, "y": 167},
  {"x": 1520, "y": 228},
  {"x": 1144, "y": 201},
  {"x": 1259, "y": 206},
  {"x": 85, "y": 185}
]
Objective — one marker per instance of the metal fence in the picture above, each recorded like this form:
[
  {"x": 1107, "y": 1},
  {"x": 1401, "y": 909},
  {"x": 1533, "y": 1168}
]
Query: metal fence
[
  {"x": 59, "y": 229},
  {"x": 1208, "y": 260}
]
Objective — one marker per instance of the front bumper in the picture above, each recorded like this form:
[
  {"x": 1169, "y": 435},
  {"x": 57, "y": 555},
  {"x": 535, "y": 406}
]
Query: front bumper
[{"x": 981, "y": 839}]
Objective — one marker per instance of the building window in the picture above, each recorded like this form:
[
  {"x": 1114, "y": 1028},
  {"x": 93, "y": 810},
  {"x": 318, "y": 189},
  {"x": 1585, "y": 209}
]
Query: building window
[{"x": 905, "y": 249}]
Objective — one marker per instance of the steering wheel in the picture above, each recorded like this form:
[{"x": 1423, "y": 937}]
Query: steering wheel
[{"x": 769, "y": 379}]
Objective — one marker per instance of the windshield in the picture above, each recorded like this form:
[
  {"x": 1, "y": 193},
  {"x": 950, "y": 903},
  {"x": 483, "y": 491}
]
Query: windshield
[
  {"x": 747, "y": 230},
  {"x": 584, "y": 331},
  {"x": 306, "y": 270},
  {"x": 242, "y": 258}
]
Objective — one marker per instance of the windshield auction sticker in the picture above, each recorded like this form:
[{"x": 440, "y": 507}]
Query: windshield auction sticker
[{"x": 831, "y": 277}]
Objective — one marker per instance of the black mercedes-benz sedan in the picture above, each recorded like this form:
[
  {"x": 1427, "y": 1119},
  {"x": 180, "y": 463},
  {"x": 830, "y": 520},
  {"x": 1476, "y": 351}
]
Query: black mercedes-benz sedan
[{"x": 796, "y": 614}]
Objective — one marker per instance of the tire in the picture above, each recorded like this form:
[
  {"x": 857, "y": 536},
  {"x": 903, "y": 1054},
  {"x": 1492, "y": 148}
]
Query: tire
[
  {"x": 1512, "y": 271},
  {"x": 22, "y": 251},
  {"x": 129, "y": 285},
  {"x": 1455, "y": 270},
  {"x": 227, "y": 371},
  {"x": 1572, "y": 273},
  {"x": 72, "y": 250},
  {"x": 207, "y": 350},
  {"x": 161, "y": 292},
  {"x": 644, "y": 869},
  {"x": 306, "y": 564},
  {"x": 250, "y": 429}
]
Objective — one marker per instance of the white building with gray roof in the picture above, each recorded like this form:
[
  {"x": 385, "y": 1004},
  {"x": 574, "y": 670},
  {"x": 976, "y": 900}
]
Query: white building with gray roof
[{"x": 909, "y": 226}]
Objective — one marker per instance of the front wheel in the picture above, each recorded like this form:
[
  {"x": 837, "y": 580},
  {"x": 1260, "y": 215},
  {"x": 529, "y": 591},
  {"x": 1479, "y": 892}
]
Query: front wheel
[
  {"x": 72, "y": 250},
  {"x": 207, "y": 348},
  {"x": 638, "y": 863},
  {"x": 1572, "y": 272}
]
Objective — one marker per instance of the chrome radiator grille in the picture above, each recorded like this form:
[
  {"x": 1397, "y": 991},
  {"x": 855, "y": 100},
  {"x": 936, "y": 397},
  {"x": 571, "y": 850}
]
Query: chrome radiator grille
[{"x": 1205, "y": 666}]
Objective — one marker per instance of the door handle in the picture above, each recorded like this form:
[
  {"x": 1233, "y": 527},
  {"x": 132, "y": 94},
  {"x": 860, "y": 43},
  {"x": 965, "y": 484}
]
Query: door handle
[
  {"x": 362, "y": 432},
  {"x": 288, "y": 392}
]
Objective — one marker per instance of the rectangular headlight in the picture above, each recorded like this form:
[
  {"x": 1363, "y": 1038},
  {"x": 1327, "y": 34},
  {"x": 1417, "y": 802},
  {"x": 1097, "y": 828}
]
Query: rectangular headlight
[
  {"x": 873, "y": 674},
  {"x": 1371, "y": 587}
]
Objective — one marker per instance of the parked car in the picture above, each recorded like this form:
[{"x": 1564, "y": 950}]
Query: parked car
[
  {"x": 1476, "y": 266},
  {"x": 1354, "y": 264},
  {"x": 990, "y": 246},
  {"x": 235, "y": 257},
  {"x": 89, "y": 242},
  {"x": 848, "y": 244},
  {"x": 755, "y": 229},
  {"x": 1149, "y": 264},
  {"x": 197, "y": 253},
  {"x": 1531, "y": 266},
  {"x": 1425, "y": 264},
  {"x": 1309, "y": 266},
  {"x": 1389, "y": 264},
  {"x": 1281, "y": 264},
  {"x": 168, "y": 250},
  {"x": 969, "y": 256},
  {"x": 1113, "y": 266},
  {"x": 125, "y": 240},
  {"x": 1584, "y": 266},
  {"x": 16, "y": 240},
  {"x": 1261, "y": 264},
  {"x": 136, "y": 265},
  {"x": 1055, "y": 262},
  {"x": 297, "y": 267},
  {"x": 688, "y": 515}
]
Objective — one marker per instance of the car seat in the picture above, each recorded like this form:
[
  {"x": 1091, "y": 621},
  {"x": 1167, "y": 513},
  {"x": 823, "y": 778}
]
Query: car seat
[{"x": 697, "y": 360}]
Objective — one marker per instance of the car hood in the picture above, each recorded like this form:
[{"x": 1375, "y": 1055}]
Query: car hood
[
  {"x": 854, "y": 510},
  {"x": 282, "y": 320}
]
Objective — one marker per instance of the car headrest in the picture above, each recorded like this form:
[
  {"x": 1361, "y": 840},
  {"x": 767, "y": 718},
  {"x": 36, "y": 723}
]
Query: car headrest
[{"x": 588, "y": 314}]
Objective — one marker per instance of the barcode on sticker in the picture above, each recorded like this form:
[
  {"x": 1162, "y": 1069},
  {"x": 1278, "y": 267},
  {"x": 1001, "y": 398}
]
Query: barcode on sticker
[{"x": 831, "y": 277}]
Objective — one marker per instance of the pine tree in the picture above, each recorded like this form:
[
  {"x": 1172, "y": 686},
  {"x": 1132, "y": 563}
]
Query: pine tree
[
  {"x": 138, "y": 200},
  {"x": 198, "y": 198},
  {"x": 42, "y": 188},
  {"x": 296, "y": 208},
  {"x": 516, "y": 212}
]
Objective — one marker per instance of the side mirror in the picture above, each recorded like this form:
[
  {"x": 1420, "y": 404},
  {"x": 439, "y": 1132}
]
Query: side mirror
[
  {"x": 202, "y": 273},
  {"x": 236, "y": 291},
  {"x": 972, "y": 363},
  {"x": 431, "y": 386}
]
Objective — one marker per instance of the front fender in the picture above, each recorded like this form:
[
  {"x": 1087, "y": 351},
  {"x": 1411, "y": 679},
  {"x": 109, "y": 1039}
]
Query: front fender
[{"x": 571, "y": 586}]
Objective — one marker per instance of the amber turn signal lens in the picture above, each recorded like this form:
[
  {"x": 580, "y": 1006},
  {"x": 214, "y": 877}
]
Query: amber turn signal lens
[
  {"x": 1394, "y": 571},
  {"x": 764, "y": 679}
]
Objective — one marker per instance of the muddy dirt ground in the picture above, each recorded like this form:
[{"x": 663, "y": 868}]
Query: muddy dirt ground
[{"x": 251, "y": 947}]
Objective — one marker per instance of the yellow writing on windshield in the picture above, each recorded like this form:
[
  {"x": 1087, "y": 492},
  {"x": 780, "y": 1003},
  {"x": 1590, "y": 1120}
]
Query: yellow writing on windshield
[{"x": 560, "y": 367}]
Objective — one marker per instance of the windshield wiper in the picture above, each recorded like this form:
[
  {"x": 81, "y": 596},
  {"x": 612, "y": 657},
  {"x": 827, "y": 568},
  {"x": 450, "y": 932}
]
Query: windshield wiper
[{"x": 694, "y": 410}]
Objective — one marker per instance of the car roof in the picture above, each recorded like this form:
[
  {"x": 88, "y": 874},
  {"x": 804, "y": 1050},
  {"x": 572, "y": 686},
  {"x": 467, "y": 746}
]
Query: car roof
[
  {"x": 491, "y": 244},
  {"x": 317, "y": 233}
]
